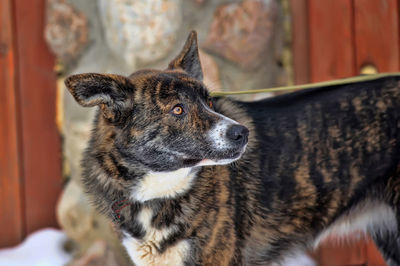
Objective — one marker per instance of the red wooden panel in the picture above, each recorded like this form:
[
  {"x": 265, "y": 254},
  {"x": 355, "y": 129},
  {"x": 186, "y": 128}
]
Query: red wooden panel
[
  {"x": 11, "y": 207},
  {"x": 40, "y": 138},
  {"x": 377, "y": 34},
  {"x": 348, "y": 252},
  {"x": 331, "y": 39},
  {"x": 300, "y": 41}
]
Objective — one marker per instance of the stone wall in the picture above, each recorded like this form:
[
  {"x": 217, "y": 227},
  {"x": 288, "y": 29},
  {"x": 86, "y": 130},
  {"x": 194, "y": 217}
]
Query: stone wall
[{"x": 243, "y": 44}]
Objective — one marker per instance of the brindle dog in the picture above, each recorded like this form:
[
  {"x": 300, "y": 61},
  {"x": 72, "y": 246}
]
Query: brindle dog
[{"x": 187, "y": 184}]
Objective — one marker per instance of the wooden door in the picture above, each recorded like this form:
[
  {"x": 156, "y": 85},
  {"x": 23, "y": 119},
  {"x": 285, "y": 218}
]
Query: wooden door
[
  {"x": 337, "y": 38},
  {"x": 30, "y": 151}
]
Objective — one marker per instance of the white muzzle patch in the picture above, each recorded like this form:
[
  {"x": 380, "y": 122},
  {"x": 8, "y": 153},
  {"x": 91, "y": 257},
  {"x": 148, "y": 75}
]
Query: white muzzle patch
[{"x": 217, "y": 134}]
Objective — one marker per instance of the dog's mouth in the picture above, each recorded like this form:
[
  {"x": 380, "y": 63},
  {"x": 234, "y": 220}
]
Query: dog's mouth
[{"x": 217, "y": 158}]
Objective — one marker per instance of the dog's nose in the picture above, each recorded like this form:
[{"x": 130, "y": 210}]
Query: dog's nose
[{"x": 238, "y": 134}]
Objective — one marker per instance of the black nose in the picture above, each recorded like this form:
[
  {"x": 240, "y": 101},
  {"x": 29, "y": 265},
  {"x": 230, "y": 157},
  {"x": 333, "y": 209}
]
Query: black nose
[{"x": 238, "y": 134}]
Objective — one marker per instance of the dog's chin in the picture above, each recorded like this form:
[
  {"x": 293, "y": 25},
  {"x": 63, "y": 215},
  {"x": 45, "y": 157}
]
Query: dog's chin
[
  {"x": 221, "y": 161},
  {"x": 206, "y": 162},
  {"x": 215, "y": 158}
]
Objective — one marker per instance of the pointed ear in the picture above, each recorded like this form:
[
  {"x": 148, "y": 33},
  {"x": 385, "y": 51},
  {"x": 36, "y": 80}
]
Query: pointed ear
[
  {"x": 108, "y": 91},
  {"x": 188, "y": 59}
]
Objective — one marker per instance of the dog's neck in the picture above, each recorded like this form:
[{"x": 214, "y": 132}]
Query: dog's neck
[
  {"x": 127, "y": 186},
  {"x": 163, "y": 185},
  {"x": 151, "y": 187}
]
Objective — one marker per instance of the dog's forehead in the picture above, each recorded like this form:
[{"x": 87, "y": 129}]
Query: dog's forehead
[{"x": 172, "y": 82}]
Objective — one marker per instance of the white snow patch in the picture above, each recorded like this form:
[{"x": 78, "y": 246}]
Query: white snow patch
[{"x": 42, "y": 248}]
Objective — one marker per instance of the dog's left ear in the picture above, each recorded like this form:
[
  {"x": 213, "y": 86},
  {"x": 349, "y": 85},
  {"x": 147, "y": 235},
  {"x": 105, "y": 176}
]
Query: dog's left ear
[
  {"x": 188, "y": 59},
  {"x": 107, "y": 91}
]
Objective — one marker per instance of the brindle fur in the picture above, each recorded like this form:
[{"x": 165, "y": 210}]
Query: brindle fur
[{"x": 313, "y": 157}]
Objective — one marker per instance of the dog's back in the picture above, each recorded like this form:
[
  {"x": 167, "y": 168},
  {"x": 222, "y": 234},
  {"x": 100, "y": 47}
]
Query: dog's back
[{"x": 320, "y": 161}]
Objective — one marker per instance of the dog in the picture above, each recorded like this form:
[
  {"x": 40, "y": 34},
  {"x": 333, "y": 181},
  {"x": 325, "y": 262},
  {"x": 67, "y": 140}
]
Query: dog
[{"x": 193, "y": 180}]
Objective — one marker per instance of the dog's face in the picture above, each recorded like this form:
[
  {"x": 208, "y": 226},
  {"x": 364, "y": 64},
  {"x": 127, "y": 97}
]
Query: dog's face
[{"x": 164, "y": 120}]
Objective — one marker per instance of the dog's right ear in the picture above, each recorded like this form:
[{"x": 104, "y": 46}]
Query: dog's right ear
[
  {"x": 188, "y": 59},
  {"x": 106, "y": 90}
]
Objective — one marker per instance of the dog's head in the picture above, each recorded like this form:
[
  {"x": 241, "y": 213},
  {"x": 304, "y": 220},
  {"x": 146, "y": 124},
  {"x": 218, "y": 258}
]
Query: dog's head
[{"x": 163, "y": 120}]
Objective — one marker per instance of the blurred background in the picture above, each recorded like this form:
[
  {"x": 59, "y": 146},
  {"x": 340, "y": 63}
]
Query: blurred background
[{"x": 245, "y": 44}]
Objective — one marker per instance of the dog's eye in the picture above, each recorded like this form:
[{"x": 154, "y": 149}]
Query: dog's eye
[
  {"x": 177, "y": 110},
  {"x": 210, "y": 103}
]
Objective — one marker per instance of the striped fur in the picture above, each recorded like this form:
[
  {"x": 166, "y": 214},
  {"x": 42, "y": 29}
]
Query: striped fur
[{"x": 316, "y": 162}]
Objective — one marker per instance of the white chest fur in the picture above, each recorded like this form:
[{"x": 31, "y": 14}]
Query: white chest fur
[
  {"x": 144, "y": 251},
  {"x": 163, "y": 184}
]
